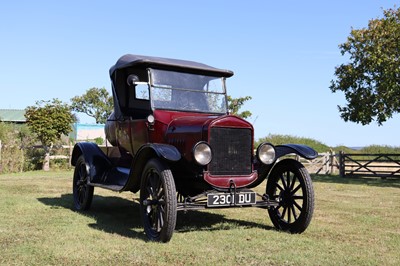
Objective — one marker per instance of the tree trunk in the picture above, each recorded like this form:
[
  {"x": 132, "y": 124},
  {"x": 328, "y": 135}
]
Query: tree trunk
[{"x": 46, "y": 162}]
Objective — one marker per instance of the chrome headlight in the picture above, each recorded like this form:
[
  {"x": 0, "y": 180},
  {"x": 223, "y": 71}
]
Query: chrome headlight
[
  {"x": 202, "y": 153},
  {"x": 266, "y": 153}
]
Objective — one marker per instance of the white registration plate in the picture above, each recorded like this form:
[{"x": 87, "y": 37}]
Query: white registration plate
[{"x": 230, "y": 199}]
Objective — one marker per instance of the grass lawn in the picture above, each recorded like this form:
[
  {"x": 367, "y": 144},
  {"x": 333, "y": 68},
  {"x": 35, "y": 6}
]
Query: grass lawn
[{"x": 356, "y": 222}]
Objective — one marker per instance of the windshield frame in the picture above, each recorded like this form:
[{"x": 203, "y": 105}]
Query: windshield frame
[{"x": 222, "y": 94}]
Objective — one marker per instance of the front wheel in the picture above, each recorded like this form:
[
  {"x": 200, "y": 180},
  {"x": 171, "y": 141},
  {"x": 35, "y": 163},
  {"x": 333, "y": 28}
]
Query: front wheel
[
  {"x": 158, "y": 202},
  {"x": 290, "y": 184}
]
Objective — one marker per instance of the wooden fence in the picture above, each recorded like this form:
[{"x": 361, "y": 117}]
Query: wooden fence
[
  {"x": 374, "y": 165},
  {"x": 354, "y": 164},
  {"x": 325, "y": 164}
]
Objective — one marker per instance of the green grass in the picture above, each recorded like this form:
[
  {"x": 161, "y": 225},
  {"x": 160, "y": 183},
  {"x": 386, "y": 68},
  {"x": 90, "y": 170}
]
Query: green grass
[{"x": 356, "y": 222}]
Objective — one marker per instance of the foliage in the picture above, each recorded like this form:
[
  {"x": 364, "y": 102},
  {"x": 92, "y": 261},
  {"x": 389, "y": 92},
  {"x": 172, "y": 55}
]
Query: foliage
[
  {"x": 5, "y": 128},
  {"x": 377, "y": 149},
  {"x": 365, "y": 153},
  {"x": 371, "y": 80},
  {"x": 15, "y": 156},
  {"x": 49, "y": 120},
  {"x": 344, "y": 149},
  {"x": 287, "y": 139},
  {"x": 60, "y": 164},
  {"x": 96, "y": 102},
  {"x": 371, "y": 149},
  {"x": 99, "y": 141},
  {"x": 234, "y": 105},
  {"x": 34, "y": 158},
  {"x": 11, "y": 156}
]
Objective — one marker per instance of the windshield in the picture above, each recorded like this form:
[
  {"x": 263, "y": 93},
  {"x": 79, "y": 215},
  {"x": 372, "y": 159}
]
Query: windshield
[{"x": 187, "y": 92}]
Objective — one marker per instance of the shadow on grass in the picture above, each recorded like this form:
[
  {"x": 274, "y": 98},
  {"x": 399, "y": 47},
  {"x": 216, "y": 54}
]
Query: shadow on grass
[
  {"x": 113, "y": 215},
  {"x": 370, "y": 181},
  {"x": 117, "y": 215},
  {"x": 206, "y": 221}
]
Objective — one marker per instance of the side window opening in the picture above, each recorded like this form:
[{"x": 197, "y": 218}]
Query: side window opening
[{"x": 142, "y": 92}]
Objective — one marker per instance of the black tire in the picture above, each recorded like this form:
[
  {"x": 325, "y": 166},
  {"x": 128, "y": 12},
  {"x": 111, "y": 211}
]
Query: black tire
[
  {"x": 291, "y": 185},
  {"x": 83, "y": 193},
  {"x": 158, "y": 201}
]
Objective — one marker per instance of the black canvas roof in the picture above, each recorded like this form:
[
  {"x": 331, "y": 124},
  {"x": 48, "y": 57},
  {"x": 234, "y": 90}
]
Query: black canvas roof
[{"x": 130, "y": 60}]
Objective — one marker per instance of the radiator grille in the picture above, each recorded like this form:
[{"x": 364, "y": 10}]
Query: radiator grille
[{"x": 231, "y": 151}]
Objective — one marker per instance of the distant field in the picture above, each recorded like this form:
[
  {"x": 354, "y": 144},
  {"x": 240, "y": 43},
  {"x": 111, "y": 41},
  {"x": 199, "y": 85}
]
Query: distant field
[{"x": 356, "y": 222}]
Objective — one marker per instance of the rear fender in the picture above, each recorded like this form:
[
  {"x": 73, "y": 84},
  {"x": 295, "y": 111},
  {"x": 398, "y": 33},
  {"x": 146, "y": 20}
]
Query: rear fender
[
  {"x": 99, "y": 164},
  {"x": 165, "y": 152}
]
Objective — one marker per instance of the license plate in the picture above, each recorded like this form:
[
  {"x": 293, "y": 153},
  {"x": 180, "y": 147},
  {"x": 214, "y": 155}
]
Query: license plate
[{"x": 230, "y": 199}]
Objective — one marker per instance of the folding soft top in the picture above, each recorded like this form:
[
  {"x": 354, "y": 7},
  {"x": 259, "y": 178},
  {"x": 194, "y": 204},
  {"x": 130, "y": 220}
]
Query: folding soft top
[{"x": 139, "y": 61}]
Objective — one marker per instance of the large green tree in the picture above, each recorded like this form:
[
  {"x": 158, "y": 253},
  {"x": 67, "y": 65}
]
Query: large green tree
[
  {"x": 235, "y": 104},
  {"x": 96, "y": 102},
  {"x": 371, "y": 79},
  {"x": 49, "y": 120}
]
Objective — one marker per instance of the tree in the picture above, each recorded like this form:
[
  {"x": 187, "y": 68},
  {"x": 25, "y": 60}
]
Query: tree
[
  {"x": 234, "y": 105},
  {"x": 95, "y": 102},
  {"x": 49, "y": 120},
  {"x": 371, "y": 80}
]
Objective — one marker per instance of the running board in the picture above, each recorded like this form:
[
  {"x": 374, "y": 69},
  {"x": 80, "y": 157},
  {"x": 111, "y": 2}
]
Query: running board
[
  {"x": 110, "y": 187},
  {"x": 115, "y": 179}
]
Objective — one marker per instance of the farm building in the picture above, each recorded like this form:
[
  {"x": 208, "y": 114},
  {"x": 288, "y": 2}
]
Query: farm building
[{"x": 16, "y": 116}]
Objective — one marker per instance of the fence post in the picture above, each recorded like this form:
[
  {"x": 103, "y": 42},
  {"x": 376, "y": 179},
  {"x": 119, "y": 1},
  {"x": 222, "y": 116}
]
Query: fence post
[
  {"x": 341, "y": 164},
  {"x": 325, "y": 162}
]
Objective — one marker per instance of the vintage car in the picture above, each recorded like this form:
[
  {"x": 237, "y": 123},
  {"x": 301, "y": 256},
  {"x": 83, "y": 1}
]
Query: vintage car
[{"x": 172, "y": 138}]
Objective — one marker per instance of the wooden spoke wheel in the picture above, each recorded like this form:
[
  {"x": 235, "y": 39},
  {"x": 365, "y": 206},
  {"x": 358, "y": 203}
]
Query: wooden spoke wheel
[
  {"x": 290, "y": 184},
  {"x": 158, "y": 201}
]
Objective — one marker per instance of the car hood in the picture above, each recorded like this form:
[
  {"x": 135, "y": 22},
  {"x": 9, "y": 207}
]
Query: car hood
[{"x": 190, "y": 125}]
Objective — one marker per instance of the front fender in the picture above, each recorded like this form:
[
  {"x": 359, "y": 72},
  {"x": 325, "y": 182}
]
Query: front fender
[
  {"x": 99, "y": 164},
  {"x": 301, "y": 150},
  {"x": 163, "y": 151},
  {"x": 282, "y": 150}
]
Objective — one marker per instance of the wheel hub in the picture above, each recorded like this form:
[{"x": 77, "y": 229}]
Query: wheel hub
[
  {"x": 286, "y": 199},
  {"x": 151, "y": 202}
]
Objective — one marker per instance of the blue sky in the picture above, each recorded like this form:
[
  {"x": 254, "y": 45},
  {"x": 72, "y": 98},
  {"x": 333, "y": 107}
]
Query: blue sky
[{"x": 283, "y": 54}]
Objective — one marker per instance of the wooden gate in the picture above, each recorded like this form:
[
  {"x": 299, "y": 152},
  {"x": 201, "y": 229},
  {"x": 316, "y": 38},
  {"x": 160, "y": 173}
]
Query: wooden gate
[
  {"x": 326, "y": 163},
  {"x": 374, "y": 165}
]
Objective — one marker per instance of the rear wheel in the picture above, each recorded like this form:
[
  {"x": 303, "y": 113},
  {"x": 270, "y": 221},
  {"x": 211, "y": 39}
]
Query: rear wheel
[
  {"x": 83, "y": 193},
  {"x": 290, "y": 184},
  {"x": 158, "y": 201}
]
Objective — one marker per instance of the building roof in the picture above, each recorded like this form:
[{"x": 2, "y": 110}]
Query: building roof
[{"x": 12, "y": 115}]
